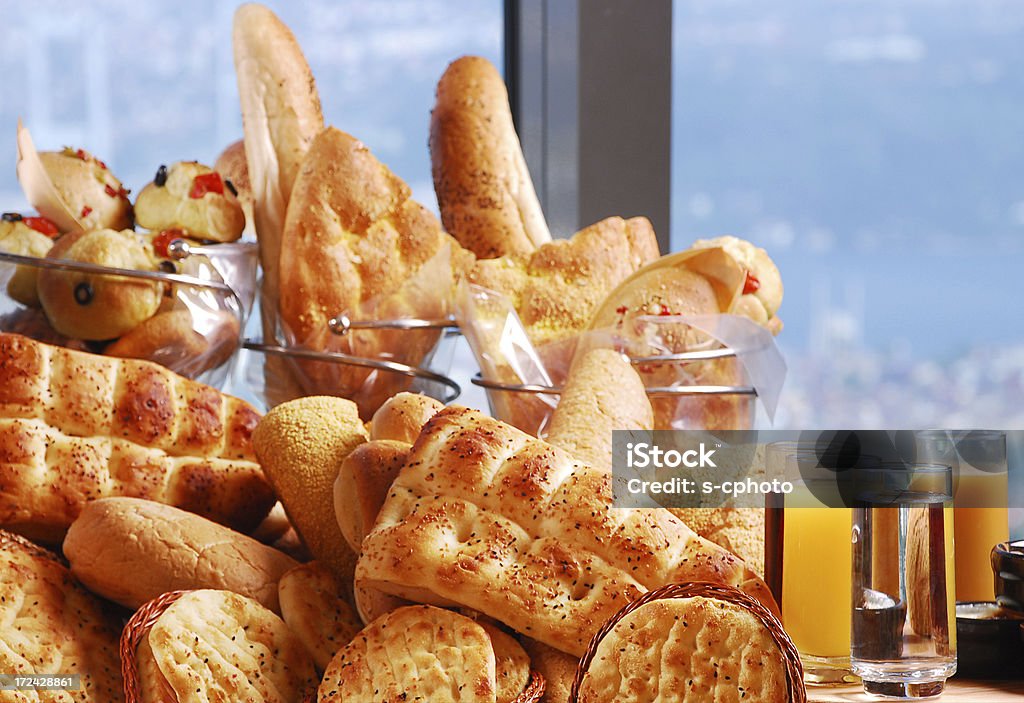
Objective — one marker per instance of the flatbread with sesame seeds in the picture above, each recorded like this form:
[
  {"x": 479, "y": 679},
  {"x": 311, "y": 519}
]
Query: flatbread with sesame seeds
[
  {"x": 416, "y": 653},
  {"x": 314, "y": 607},
  {"x": 212, "y": 646}
]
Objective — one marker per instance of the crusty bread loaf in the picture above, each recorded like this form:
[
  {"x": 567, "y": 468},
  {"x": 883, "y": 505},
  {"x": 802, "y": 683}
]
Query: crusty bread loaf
[
  {"x": 602, "y": 393},
  {"x": 556, "y": 289},
  {"x": 488, "y": 517},
  {"x": 50, "y": 625},
  {"x": 314, "y": 606},
  {"x": 211, "y": 646},
  {"x": 686, "y": 650},
  {"x": 354, "y": 242},
  {"x": 280, "y": 115},
  {"x": 402, "y": 417},
  {"x": 483, "y": 186},
  {"x": 77, "y": 426},
  {"x": 416, "y": 653},
  {"x": 301, "y": 445},
  {"x": 130, "y": 551},
  {"x": 362, "y": 485}
]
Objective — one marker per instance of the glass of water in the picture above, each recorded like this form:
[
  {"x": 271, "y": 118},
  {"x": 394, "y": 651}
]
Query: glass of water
[{"x": 903, "y": 635}]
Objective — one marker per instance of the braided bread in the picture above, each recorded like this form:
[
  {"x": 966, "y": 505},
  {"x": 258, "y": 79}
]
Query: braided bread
[
  {"x": 76, "y": 426},
  {"x": 486, "y": 516}
]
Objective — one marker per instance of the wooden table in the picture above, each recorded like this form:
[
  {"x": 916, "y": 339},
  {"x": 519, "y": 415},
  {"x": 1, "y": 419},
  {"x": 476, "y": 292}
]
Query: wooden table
[{"x": 957, "y": 691}]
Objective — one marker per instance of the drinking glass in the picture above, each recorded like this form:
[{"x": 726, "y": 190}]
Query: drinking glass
[{"x": 903, "y": 636}]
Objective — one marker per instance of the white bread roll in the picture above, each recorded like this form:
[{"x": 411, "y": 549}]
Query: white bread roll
[
  {"x": 131, "y": 551},
  {"x": 362, "y": 485},
  {"x": 483, "y": 187},
  {"x": 402, "y": 417}
]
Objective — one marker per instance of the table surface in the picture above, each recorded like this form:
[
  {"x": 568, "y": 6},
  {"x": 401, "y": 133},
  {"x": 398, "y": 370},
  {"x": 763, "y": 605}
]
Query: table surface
[{"x": 956, "y": 692}]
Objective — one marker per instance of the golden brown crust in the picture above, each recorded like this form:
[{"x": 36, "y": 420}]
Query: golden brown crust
[
  {"x": 355, "y": 243},
  {"x": 49, "y": 624},
  {"x": 602, "y": 393},
  {"x": 131, "y": 551},
  {"x": 689, "y": 650},
  {"x": 214, "y": 646},
  {"x": 402, "y": 417},
  {"x": 488, "y": 517},
  {"x": 301, "y": 446},
  {"x": 558, "y": 288},
  {"x": 362, "y": 485},
  {"x": 414, "y": 653},
  {"x": 483, "y": 187},
  {"x": 171, "y": 339},
  {"x": 740, "y": 530},
  {"x": 172, "y": 205},
  {"x": 511, "y": 664},
  {"x": 313, "y": 606},
  {"x": 232, "y": 164}
]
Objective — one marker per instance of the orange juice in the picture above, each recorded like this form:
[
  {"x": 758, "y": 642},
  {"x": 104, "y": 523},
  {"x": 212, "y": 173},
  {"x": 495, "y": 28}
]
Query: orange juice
[
  {"x": 981, "y": 521},
  {"x": 816, "y": 585}
]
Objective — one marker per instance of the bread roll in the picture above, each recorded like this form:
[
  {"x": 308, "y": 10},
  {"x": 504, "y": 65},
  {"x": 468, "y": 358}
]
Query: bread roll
[
  {"x": 740, "y": 530},
  {"x": 689, "y": 650},
  {"x": 762, "y": 290},
  {"x": 355, "y": 243},
  {"x": 88, "y": 189},
  {"x": 603, "y": 393},
  {"x": 416, "y": 653},
  {"x": 301, "y": 446},
  {"x": 402, "y": 417},
  {"x": 362, "y": 485},
  {"x": 191, "y": 197},
  {"x": 49, "y": 624},
  {"x": 212, "y": 646},
  {"x": 130, "y": 551},
  {"x": 488, "y": 517},
  {"x": 483, "y": 186},
  {"x": 232, "y": 164},
  {"x": 314, "y": 606},
  {"x": 76, "y": 426},
  {"x": 16, "y": 237}
]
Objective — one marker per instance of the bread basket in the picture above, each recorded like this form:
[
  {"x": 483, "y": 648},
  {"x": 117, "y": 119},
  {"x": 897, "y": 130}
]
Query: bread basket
[
  {"x": 204, "y": 305},
  {"x": 142, "y": 622},
  {"x": 796, "y": 692}
]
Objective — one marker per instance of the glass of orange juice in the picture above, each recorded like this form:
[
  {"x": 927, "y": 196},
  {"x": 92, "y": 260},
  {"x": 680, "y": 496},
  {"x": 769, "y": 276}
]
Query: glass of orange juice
[
  {"x": 808, "y": 564},
  {"x": 981, "y": 515}
]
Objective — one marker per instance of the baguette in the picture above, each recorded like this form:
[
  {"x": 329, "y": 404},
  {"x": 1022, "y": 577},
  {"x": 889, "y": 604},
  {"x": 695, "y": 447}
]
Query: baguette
[
  {"x": 75, "y": 427},
  {"x": 131, "y": 551},
  {"x": 488, "y": 517},
  {"x": 483, "y": 186}
]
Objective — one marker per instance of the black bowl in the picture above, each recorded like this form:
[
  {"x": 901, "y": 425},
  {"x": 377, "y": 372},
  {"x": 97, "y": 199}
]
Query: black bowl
[
  {"x": 989, "y": 641},
  {"x": 1008, "y": 565}
]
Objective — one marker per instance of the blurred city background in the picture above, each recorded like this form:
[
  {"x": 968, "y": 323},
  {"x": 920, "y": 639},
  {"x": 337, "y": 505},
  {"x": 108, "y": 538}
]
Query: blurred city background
[{"x": 874, "y": 148}]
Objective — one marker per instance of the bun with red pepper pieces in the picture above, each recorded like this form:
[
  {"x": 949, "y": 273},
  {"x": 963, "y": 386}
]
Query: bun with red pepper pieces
[
  {"x": 762, "y": 287},
  {"x": 194, "y": 199},
  {"x": 99, "y": 307},
  {"x": 89, "y": 190},
  {"x": 25, "y": 236}
]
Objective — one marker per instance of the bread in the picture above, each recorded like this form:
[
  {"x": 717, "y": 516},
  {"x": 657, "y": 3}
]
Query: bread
[
  {"x": 557, "y": 668},
  {"x": 49, "y": 624},
  {"x": 76, "y": 426},
  {"x": 354, "y": 242},
  {"x": 603, "y": 393},
  {"x": 417, "y": 653},
  {"x": 689, "y": 650},
  {"x": 556, "y": 289},
  {"x": 232, "y": 164},
  {"x": 211, "y": 646},
  {"x": 17, "y": 237},
  {"x": 191, "y": 197},
  {"x": 130, "y": 551},
  {"x": 314, "y": 606},
  {"x": 88, "y": 189},
  {"x": 762, "y": 291},
  {"x": 740, "y": 530},
  {"x": 362, "y": 485},
  {"x": 95, "y": 306},
  {"x": 402, "y": 417},
  {"x": 511, "y": 665},
  {"x": 372, "y": 603},
  {"x": 483, "y": 186},
  {"x": 488, "y": 517},
  {"x": 301, "y": 445},
  {"x": 186, "y": 344},
  {"x": 280, "y": 116}
]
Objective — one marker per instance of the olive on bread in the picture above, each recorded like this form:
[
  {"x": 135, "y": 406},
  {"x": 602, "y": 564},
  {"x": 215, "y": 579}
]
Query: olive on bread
[{"x": 194, "y": 198}]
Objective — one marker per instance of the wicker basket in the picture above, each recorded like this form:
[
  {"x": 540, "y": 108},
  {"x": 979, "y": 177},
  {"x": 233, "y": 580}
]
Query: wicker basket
[
  {"x": 145, "y": 617},
  {"x": 797, "y": 693}
]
